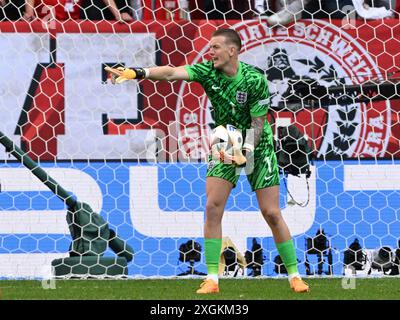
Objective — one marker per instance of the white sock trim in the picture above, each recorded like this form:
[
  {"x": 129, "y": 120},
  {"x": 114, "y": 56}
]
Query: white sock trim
[
  {"x": 293, "y": 275},
  {"x": 213, "y": 277}
]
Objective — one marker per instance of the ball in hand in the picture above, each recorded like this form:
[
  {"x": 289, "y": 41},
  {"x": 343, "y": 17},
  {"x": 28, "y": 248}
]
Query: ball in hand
[{"x": 226, "y": 139}]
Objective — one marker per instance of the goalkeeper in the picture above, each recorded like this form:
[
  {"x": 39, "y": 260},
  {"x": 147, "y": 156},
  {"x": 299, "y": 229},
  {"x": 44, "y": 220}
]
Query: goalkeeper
[{"x": 239, "y": 95}]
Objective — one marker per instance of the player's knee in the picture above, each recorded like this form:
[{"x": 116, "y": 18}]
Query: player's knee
[
  {"x": 272, "y": 215},
  {"x": 212, "y": 206},
  {"x": 213, "y": 210}
]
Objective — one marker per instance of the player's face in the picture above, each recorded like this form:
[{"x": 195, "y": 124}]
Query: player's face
[{"x": 220, "y": 52}]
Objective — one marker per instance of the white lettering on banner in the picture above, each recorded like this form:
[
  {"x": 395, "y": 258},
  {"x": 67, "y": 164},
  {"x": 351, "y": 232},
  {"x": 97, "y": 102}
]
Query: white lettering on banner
[
  {"x": 352, "y": 59},
  {"x": 46, "y": 221},
  {"x": 266, "y": 29},
  {"x": 192, "y": 117},
  {"x": 374, "y": 137},
  {"x": 17, "y": 65},
  {"x": 340, "y": 47},
  {"x": 370, "y": 151},
  {"x": 299, "y": 29},
  {"x": 148, "y": 219},
  {"x": 377, "y": 122},
  {"x": 324, "y": 37},
  {"x": 362, "y": 69},
  {"x": 311, "y": 32},
  {"x": 255, "y": 33},
  {"x": 87, "y": 99},
  {"x": 244, "y": 36}
]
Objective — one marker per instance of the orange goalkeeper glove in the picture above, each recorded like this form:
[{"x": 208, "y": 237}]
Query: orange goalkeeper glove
[
  {"x": 239, "y": 156},
  {"x": 234, "y": 156},
  {"x": 120, "y": 74}
]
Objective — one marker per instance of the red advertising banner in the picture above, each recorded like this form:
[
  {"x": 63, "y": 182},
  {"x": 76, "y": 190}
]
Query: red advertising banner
[{"x": 72, "y": 55}]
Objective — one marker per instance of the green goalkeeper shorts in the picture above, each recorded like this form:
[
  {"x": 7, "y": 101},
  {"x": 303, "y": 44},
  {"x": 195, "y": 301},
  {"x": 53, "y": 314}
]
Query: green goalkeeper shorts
[{"x": 265, "y": 172}]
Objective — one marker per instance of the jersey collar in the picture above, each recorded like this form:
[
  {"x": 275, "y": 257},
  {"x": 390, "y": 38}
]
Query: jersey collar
[{"x": 237, "y": 77}]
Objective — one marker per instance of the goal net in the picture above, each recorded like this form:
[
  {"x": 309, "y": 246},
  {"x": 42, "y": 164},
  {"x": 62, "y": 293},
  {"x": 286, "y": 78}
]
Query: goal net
[{"x": 136, "y": 153}]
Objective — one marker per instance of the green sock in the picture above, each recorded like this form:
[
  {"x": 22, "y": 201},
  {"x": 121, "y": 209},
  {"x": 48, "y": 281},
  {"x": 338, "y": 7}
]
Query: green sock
[
  {"x": 288, "y": 255},
  {"x": 212, "y": 252}
]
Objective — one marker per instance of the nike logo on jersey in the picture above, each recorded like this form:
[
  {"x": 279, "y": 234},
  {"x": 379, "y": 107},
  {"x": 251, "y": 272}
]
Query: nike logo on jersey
[
  {"x": 267, "y": 178},
  {"x": 215, "y": 88}
]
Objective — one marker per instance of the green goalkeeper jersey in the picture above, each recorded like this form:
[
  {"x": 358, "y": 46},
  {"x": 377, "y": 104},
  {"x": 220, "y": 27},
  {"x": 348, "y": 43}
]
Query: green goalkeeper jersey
[{"x": 235, "y": 100}]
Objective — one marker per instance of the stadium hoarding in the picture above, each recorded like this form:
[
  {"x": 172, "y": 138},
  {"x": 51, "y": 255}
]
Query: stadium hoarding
[
  {"x": 64, "y": 80},
  {"x": 348, "y": 200}
]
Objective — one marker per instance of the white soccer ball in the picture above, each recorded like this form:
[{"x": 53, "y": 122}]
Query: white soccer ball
[
  {"x": 225, "y": 139},
  {"x": 235, "y": 137}
]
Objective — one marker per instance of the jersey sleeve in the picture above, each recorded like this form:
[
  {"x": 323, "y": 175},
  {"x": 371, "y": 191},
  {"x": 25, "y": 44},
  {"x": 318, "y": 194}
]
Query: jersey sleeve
[
  {"x": 199, "y": 72},
  {"x": 259, "y": 101}
]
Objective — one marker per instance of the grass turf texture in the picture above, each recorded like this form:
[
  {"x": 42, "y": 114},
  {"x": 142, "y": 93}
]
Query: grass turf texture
[{"x": 184, "y": 289}]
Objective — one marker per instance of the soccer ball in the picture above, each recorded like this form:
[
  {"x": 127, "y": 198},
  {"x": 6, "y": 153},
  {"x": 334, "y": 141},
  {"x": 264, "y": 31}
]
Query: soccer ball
[{"x": 225, "y": 139}]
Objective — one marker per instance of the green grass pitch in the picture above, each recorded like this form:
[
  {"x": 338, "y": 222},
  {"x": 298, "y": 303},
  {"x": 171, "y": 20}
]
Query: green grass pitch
[{"x": 183, "y": 289}]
